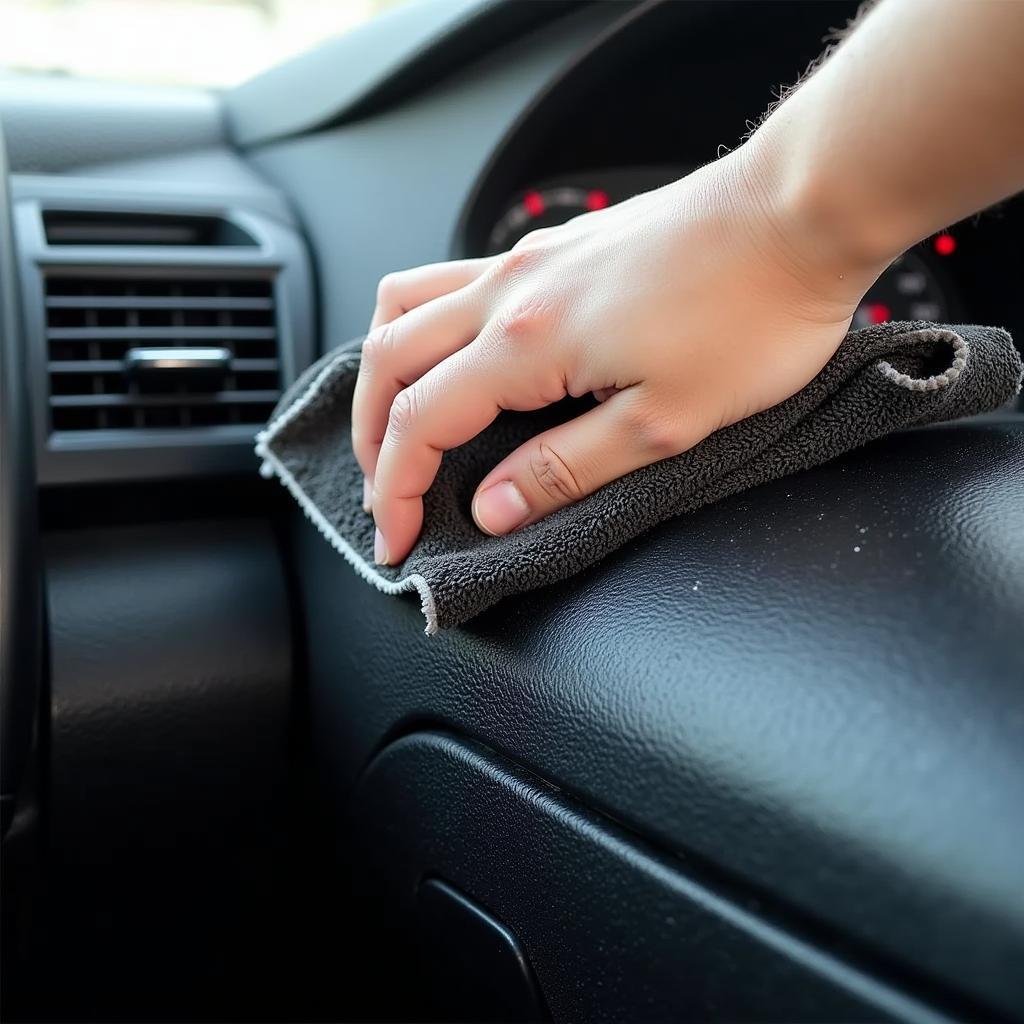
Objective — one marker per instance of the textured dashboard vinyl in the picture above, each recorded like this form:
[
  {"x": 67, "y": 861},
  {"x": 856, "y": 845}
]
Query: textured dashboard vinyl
[
  {"x": 816, "y": 688},
  {"x": 614, "y": 931}
]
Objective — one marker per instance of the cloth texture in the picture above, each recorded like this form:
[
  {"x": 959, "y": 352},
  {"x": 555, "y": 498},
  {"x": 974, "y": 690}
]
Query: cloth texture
[{"x": 881, "y": 379}]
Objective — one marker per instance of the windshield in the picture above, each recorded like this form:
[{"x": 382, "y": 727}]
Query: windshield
[{"x": 183, "y": 42}]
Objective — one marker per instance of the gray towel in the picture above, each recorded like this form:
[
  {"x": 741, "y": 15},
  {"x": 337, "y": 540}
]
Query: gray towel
[{"x": 881, "y": 379}]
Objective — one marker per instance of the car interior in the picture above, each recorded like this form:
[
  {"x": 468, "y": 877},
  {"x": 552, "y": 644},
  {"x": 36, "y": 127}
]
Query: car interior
[{"x": 240, "y": 784}]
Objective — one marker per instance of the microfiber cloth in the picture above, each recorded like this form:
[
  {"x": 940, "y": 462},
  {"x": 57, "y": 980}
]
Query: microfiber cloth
[{"x": 882, "y": 378}]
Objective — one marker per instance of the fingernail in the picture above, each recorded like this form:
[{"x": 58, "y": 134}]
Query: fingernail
[
  {"x": 380, "y": 549},
  {"x": 500, "y": 508},
  {"x": 367, "y": 495}
]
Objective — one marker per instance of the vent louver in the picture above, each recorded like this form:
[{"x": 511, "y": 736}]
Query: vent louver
[
  {"x": 93, "y": 322},
  {"x": 92, "y": 227}
]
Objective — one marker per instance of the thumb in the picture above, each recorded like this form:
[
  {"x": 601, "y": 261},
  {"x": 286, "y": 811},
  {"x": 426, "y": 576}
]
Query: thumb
[{"x": 570, "y": 461}]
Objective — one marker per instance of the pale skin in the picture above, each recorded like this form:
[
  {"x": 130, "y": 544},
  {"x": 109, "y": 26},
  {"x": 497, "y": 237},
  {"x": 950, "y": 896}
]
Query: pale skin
[{"x": 696, "y": 305}]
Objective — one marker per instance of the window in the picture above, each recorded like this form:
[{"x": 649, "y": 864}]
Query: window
[{"x": 188, "y": 42}]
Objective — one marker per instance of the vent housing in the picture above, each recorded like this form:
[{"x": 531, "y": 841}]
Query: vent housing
[
  {"x": 161, "y": 327},
  {"x": 92, "y": 322}
]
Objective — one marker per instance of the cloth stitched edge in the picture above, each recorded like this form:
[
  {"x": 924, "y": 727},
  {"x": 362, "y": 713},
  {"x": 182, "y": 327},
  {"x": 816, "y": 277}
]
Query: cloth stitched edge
[{"x": 880, "y": 379}]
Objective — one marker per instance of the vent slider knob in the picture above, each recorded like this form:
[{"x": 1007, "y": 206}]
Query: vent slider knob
[{"x": 175, "y": 360}]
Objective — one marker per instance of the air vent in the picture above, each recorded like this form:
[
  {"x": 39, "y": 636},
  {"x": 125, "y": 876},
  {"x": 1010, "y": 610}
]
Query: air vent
[
  {"x": 89, "y": 227},
  {"x": 96, "y": 327}
]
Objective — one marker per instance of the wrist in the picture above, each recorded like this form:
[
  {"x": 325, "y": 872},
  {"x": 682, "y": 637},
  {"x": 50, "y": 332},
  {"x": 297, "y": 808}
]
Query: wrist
[{"x": 836, "y": 238}]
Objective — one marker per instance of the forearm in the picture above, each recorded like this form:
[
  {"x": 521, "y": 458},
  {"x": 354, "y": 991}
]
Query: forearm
[{"x": 916, "y": 121}]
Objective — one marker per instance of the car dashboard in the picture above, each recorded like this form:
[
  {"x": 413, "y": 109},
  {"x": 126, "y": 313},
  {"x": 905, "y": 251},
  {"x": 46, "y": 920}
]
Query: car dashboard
[{"x": 793, "y": 792}]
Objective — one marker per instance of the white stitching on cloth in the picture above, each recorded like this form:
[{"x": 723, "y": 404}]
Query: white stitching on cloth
[
  {"x": 272, "y": 466},
  {"x": 961, "y": 350}
]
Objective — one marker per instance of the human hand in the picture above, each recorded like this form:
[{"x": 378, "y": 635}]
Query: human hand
[{"x": 682, "y": 310}]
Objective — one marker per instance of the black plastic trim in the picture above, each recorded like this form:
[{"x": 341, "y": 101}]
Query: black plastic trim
[
  {"x": 168, "y": 775},
  {"x": 20, "y": 587},
  {"x": 615, "y": 928},
  {"x": 280, "y": 256}
]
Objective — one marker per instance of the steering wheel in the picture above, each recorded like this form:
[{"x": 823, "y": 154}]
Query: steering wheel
[{"x": 20, "y": 586}]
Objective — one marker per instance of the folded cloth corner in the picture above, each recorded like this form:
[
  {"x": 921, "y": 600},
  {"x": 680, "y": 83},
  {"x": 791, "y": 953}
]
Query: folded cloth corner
[{"x": 881, "y": 379}]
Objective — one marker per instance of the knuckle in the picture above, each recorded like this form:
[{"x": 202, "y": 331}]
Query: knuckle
[
  {"x": 388, "y": 288},
  {"x": 525, "y": 256},
  {"x": 402, "y": 414},
  {"x": 552, "y": 475},
  {"x": 533, "y": 240},
  {"x": 378, "y": 344},
  {"x": 529, "y": 319}
]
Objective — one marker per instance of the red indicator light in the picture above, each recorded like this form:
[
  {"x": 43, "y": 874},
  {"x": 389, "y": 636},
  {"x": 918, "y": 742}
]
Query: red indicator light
[
  {"x": 945, "y": 244},
  {"x": 878, "y": 312},
  {"x": 534, "y": 203},
  {"x": 597, "y": 199}
]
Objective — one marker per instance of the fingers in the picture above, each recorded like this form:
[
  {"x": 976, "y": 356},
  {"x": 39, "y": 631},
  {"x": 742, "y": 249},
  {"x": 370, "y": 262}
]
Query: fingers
[
  {"x": 448, "y": 406},
  {"x": 398, "y": 353},
  {"x": 572, "y": 460},
  {"x": 407, "y": 289},
  {"x": 444, "y": 408},
  {"x": 384, "y": 371}
]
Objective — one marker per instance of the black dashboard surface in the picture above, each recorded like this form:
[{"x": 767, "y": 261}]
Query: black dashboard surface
[
  {"x": 809, "y": 696},
  {"x": 813, "y": 689}
]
